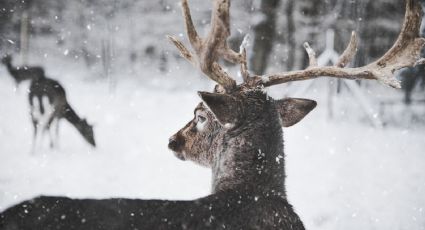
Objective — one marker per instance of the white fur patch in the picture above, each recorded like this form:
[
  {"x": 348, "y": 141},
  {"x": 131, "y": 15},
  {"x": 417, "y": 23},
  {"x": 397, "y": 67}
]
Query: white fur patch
[
  {"x": 200, "y": 126},
  {"x": 279, "y": 159},
  {"x": 42, "y": 118},
  {"x": 229, "y": 125}
]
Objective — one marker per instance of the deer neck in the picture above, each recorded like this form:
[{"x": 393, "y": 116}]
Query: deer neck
[
  {"x": 10, "y": 67},
  {"x": 73, "y": 118},
  {"x": 251, "y": 158}
]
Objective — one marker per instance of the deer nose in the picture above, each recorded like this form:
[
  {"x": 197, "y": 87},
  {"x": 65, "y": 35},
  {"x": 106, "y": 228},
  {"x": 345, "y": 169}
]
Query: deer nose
[{"x": 172, "y": 143}]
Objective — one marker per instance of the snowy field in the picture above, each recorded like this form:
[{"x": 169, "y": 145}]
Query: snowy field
[{"x": 341, "y": 174}]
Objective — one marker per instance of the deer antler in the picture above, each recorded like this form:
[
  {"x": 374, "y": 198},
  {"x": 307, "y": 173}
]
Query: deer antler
[
  {"x": 405, "y": 52},
  {"x": 208, "y": 50}
]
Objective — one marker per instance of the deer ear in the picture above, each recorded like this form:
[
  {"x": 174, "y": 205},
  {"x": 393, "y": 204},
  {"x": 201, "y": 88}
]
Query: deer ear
[
  {"x": 223, "y": 106},
  {"x": 293, "y": 110}
]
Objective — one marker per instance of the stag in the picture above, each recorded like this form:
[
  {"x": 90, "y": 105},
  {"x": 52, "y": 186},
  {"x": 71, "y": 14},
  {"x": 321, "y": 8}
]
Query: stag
[
  {"x": 248, "y": 181},
  {"x": 246, "y": 139}
]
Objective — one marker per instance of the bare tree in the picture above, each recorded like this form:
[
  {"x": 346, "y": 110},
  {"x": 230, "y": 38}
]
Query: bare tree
[
  {"x": 290, "y": 34},
  {"x": 264, "y": 34}
]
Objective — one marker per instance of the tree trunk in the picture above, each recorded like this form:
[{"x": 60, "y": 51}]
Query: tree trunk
[
  {"x": 24, "y": 40},
  {"x": 290, "y": 34},
  {"x": 264, "y": 33}
]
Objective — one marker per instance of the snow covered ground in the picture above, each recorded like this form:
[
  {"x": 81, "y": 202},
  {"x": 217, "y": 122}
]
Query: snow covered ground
[{"x": 341, "y": 174}]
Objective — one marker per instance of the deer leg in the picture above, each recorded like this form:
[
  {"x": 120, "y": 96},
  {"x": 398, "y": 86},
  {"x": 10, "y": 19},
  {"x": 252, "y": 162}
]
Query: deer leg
[
  {"x": 51, "y": 136},
  {"x": 35, "y": 115},
  {"x": 53, "y": 122},
  {"x": 48, "y": 118},
  {"x": 57, "y": 132},
  {"x": 33, "y": 144},
  {"x": 42, "y": 113},
  {"x": 38, "y": 136}
]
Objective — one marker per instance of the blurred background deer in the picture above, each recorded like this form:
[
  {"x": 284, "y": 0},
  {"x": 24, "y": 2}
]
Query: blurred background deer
[{"x": 48, "y": 104}]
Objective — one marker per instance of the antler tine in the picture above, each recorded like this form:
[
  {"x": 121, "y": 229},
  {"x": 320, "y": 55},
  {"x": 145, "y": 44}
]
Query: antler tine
[
  {"x": 230, "y": 55},
  {"x": 192, "y": 34},
  {"x": 209, "y": 50},
  {"x": 405, "y": 52},
  {"x": 184, "y": 52},
  {"x": 214, "y": 43},
  {"x": 349, "y": 52},
  {"x": 194, "y": 39},
  {"x": 244, "y": 66},
  {"x": 311, "y": 55}
]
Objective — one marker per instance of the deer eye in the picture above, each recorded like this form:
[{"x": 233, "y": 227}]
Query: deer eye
[
  {"x": 200, "y": 122},
  {"x": 201, "y": 119}
]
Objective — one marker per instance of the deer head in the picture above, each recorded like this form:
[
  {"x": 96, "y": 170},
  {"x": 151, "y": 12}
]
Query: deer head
[
  {"x": 86, "y": 131},
  {"x": 199, "y": 139},
  {"x": 243, "y": 135}
]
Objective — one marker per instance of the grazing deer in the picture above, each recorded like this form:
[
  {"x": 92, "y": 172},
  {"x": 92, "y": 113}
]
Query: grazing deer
[
  {"x": 247, "y": 149},
  {"x": 48, "y": 105}
]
